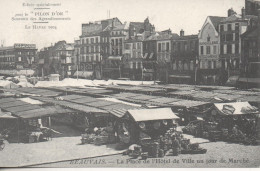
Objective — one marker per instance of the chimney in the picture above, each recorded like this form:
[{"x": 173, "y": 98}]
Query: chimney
[
  {"x": 243, "y": 13},
  {"x": 231, "y": 12},
  {"x": 112, "y": 23},
  {"x": 169, "y": 31},
  {"x": 129, "y": 32},
  {"x": 181, "y": 32}
]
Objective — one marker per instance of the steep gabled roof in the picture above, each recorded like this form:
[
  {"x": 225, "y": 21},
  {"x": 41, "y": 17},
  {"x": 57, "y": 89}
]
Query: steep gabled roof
[{"x": 216, "y": 20}]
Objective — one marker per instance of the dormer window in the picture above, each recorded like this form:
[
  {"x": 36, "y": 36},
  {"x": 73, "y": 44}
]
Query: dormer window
[{"x": 208, "y": 38}]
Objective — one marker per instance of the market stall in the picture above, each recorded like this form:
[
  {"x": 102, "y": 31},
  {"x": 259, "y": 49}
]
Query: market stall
[{"x": 145, "y": 123}]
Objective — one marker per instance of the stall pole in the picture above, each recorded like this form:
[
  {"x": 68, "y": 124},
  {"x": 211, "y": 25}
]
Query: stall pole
[
  {"x": 49, "y": 121},
  {"x": 18, "y": 134}
]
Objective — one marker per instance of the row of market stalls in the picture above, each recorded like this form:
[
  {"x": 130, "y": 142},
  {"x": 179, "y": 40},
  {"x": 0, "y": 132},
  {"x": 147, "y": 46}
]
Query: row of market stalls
[
  {"x": 25, "y": 116},
  {"x": 99, "y": 107}
]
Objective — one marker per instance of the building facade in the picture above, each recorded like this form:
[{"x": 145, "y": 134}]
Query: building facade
[
  {"x": 250, "y": 68},
  {"x": 209, "y": 50},
  {"x": 231, "y": 29},
  {"x": 252, "y": 6},
  {"x": 150, "y": 56},
  {"x": 163, "y": 53},
  {"x": 95, "y": 44},
  {"x": 19, "y": 56},
  {"x": 183, "y": 59},
  {"x": 56, "y": 59}
]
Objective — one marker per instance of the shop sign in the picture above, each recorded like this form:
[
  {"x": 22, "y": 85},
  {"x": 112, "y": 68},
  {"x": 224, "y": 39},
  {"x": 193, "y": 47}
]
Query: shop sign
[{"x": 24, "y": 46}]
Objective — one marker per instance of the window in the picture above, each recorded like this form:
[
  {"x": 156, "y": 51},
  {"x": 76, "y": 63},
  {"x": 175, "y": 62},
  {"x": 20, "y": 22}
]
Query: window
[
  {"x": 163, "y": 47},
  {"x": 138, "y": 45},
  {"x": 221, "y": 27},
  {"x": 179, "y": 46},
  {"x": 225, "y": 49},
  {"x": 215, "y": 49},
  {"x": 208, "y": 49},
  {"x": 185, "y": 46},
  {"x": 229, "y": 27},
  {"x": 159, "y": 47},
  {"x": 87, "y": 41},
  {"x": 237, "y": 48},
  {"x": 237, "y": 37},
  {"x": 96, "y": 39},
  {"x": 201, "y": 50},
  {"x": 92, "y": 48},
  {"x": 237, "y": 26},
  {"x": 92, "y": 40},
  {"x": 214, "y": 64},
  {"x": 229, "y": 37},
  {"x": 209, "y": 65},
  {"x": 167, "y": 46},
  {"x": 208, "y": 38},
  {"x": 229, "y": 49},
  {"x": 82, "y": 41},
  {"x": 223, "y": 37}
]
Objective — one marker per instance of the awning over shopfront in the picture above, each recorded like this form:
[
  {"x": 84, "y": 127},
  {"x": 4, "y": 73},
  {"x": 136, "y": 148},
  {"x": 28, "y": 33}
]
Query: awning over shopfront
[
  {"x": 180, "y": 76},
  {"x": 84, "y": 74},
  {"x": 151, "y": 56},
  {"x": 250, "y": 80},
  {"x": 17, "y": 72},
  {"x": 145, "y": 55},
  {"x": 115, "y": 58},
  {"x": 237, "y": 108},
  {"x": 152, "y": 114}
]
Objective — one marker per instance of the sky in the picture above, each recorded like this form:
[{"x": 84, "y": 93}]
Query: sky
[{"x": 188, "y": 15}]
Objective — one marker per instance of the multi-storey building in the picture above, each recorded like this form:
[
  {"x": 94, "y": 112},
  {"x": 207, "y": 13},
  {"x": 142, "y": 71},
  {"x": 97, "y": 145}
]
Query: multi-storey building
[
  {"x": 163, "y": 44},
  {"x": 76, "y": 56},
  {"x": 209, "y": 42},
  {"x": 184, "y": 57},
  {"x": 116, "y": 64},
  {"x": 56, "y": 59},
  {"x": 136, "y": 58},
  {"x": 252, "y": 6},
  {"x": 250, "y": 53},
  {"x": 19, "y": 56},
  {"x": 230, "y": 30},
  {"x": 95, "y": 41},
  {"x": 150, "y": 56}
]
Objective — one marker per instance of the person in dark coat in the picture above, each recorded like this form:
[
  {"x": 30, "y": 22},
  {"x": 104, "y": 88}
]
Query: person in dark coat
[{"x": 175, "y": 146}]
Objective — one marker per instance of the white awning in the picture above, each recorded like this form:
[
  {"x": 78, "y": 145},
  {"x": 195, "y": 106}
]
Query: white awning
[
  {"x": 84, "y": 74},
  {"x": 151, "y": 56},
  {"x": 236, "y": 108},
  {"x": 115, "y": 58},
  {"x": 145, "y": 55},
  {"x": 152, "y": 114}
]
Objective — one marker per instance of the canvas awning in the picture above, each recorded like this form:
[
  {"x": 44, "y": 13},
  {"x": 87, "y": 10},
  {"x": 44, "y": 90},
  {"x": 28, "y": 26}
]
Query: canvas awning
[
  {"x": 151, "y": 56},
  {"x": 145, "y": 55},
  {"x": 84, "y": 74},
  {"x": 6, "y": 115},
  {"x": 237, "y": 108},
  {"x": 180, "y": 76},
  {"x": 36, "y": 113},
  {"x": 115, "y": 58},
  {"x": 152, "y": 114}
]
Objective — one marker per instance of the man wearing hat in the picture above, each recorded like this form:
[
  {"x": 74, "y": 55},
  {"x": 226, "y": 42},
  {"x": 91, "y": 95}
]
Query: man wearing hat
[{"x": 175, "y": 145}]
